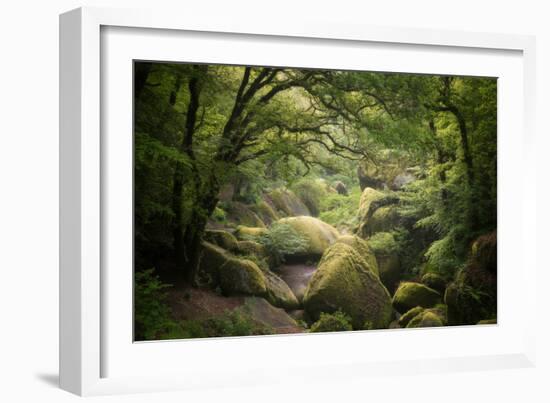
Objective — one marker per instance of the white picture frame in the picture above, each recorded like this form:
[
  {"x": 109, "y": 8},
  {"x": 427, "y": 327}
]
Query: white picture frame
[{"x": 88, "y": 335}]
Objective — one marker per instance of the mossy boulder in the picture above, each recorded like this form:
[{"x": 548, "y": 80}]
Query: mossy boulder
[
  {"x": 238, "y": 213},
  {"x": 385, "y": 249},
  {"x": 221, "y": 238},
  {"x": 247, "y": 233},
  {"x": 409, "y": 295},
  {"x": 318, "y": 234},
  {"x": 234, "y": 276},
  {"x": 368, "y": 196},
  {"x": 426, "y": 319},
  {"x": 384, "y": 219},
  {"x": 434, "y": 281},
  {"x": 362, "y": 247},
  {"x": 344, "y": 282},
  {"x": 266, "y": 212},
  {"x": 278, "y": 292},
  {"x": 251, "y": 248},
  {"x": 287, "y": 203},
  {"x": 407, "y": 316}
]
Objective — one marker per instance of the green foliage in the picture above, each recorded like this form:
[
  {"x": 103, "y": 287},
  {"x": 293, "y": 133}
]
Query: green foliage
[
  {"x": 219, "y": 214},
  {"x": 151, "y": 314},
  {"x": 383, "y": 243},
  {"x": 339, "y": 210},
  {"x": 236, "y": 323},
  {"x": 332, "y": 322},
  {"x": 280, "y": 240}
]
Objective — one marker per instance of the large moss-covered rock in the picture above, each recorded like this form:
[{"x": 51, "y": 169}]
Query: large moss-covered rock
[
  {"x": 233, "y": 275},
  {"x": 287, "y": 203},
  {"x": 484, "y": 251},
  {"x": 409, "y": 295},
  {"x": 278, "y": 292},
  {"x": 221, "y": 238},
  {"x": 410, "y": 314},
  {"x": 238, "y": 213},
  {"x": 247, "y": 233},
  {"x": 368, "y": 196},
  {"x": 344, "y": 282},
  {"x": 266, "y": 212},
  {"x": 384, "y": 219},
  {"x": 385, "y": 249},
  {"x": 363, "y": 248},
  {"x": 251, "y": 248},
  {"x": 434, "y": 281},
  {"x": 318, "y": 234},
  {"x": 426, "y": 319},
  {"x": 238, "y": 276}
]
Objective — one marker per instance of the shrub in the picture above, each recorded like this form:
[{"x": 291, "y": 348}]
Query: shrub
[
  {"x": 235, "y": 323},
  {"x": 219, "y": 215},
  {"x": 332, "y": 322},
  {"x": 151, "y": 314},
  {"x": 280, "y": 240}
]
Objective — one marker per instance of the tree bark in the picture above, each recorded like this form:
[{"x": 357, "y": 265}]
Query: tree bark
[{"x": 186, "y": 236}]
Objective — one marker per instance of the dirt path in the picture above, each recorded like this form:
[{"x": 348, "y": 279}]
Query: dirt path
[{"x": 297, "y": 277}]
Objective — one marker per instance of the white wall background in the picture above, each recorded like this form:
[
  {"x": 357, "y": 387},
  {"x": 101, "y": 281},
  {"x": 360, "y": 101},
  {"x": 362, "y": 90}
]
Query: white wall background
[{"x": 29, "y": 201}]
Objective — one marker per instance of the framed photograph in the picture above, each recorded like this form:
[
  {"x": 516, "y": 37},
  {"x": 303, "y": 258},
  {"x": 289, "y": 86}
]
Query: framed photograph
[{"x": 243, "y": 203}]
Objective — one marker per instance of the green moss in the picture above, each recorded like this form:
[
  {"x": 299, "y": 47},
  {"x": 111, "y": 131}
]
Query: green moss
[
  {"x": 383, "y": 243},
  {"x": 385, "y": 248},
  {"x": 318, "y": 234},
  {"x": 219, "y": 268},
  {"x": 363, "y": 248},
  {"x": 425, "y": 319},
  {"x": 434, "y": 281},
  {"x": 248, "y": 233},
  {"x": 221, "y": 238},
  {"x": 241, "y": 276},
  {"x": 332, "y": 322},
  {"x": 251, "y": 248},
  {"x": 241, "y": 214},
  {"x": 409, "y": 295},
  {"x": 367, "y": 197},
  {"x": 287, "y": 203},
  {"x": 266, "y": 212},
  {"x": 411, "y": 313},
  {"x": 310, "y": 192},
  {"x": 384, "y": 219},
  {"x": 343, "y": 281},
  {"x": 279, "y": 293}
]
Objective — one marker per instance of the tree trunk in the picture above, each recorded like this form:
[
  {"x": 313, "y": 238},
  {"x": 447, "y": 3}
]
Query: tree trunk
[{"x": 187, "y": 236}]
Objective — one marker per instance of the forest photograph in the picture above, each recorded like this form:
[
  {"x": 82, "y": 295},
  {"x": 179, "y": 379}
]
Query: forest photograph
[{"x": 277, "y": 200}]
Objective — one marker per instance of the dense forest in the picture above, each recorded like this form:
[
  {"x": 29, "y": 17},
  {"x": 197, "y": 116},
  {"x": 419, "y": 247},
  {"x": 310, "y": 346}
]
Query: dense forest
[{"x": 285, "y": 200}]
